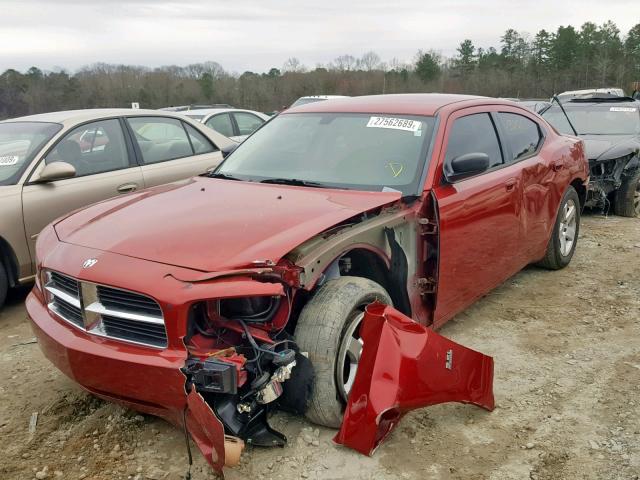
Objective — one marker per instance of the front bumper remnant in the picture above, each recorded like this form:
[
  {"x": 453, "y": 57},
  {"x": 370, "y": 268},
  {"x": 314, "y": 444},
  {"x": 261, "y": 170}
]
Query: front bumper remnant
[{"x": 405, "y": 366}]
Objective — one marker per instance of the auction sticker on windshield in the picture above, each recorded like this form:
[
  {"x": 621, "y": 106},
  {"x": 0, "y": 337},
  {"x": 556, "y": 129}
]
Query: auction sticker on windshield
[
  {"x": 9, "y": 160},
  {"x": 622, "y": 109},
  {"x": 395, "y": 123}
]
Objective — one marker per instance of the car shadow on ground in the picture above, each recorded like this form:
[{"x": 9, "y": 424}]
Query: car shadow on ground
[{"x": 16, "y": 296}]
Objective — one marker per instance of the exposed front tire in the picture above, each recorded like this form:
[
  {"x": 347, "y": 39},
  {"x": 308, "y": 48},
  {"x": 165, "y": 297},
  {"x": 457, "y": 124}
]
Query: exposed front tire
[
  {"x": 627, "y": 199},
  {"x": 564, "y": 237},
  {"x": 328, "y": 329},
  {"x": 4, "y": 285}
]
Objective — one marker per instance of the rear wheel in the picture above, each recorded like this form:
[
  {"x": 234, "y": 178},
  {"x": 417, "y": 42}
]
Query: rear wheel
[
  {"x": 564, "y": 237},
  {"x": 329, "y": 330},
  {"x": 4, "y": 285},
  {"x": 627, "y": 201}
]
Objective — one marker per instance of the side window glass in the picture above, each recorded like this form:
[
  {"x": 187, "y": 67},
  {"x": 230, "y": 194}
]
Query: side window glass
[
  {"x": 201, "y": 144},
  {"x": 247, "y": 122},
  {"x": 221, "y": 124},
  {"x": 523, "y": 134},
  {"x": 160, "y": 138},
  {"x": 474, "y": 134},
  {"x": 92, "y": 148}
]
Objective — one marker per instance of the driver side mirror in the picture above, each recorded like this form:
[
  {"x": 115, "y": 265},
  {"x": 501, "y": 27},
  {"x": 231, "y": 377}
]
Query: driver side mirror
[
  {"x": 468, "y": 165},
  {"x": 56, "y": 171},
  {"x": 226, "y": 151}
]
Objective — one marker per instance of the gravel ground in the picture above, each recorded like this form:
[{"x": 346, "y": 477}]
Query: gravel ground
[{"x": 567, "y": 387}]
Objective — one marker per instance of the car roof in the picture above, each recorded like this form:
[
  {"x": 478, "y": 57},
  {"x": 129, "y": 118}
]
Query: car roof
[
  {"x": 75, "y": 116},
  {"x": 406, "y": 104},
  {"x": 209, "y": 111}
]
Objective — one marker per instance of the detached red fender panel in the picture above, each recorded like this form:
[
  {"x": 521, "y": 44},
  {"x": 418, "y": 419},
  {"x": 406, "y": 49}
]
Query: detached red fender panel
[
  {"x": 405, "y": 366},
  {"x": 206, "y": 430}
]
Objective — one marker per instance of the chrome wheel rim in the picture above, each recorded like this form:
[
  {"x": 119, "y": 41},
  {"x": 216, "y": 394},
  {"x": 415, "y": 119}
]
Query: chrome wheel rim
[
  {"x": 567, "y": 230},
  {"x": 349, "y": 354}
]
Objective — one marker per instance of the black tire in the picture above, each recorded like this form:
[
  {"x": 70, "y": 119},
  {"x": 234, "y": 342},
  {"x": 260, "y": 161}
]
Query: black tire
[
  {"x": 627, "y": 199},
  {"x": 4, "y": 285},
  {"x": 555, "y": 258},
  {"x": 322, "y": 324}
]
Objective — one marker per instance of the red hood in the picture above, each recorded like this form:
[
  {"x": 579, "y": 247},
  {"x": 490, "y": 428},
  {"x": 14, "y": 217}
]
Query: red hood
[{"x": 211, "y": 225}]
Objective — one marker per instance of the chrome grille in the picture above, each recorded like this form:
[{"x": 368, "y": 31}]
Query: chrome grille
[
  {"x": 67, "y": 311},
  {"x": 66, "y": 284},
  {"x": 150, "y": 334},
  {"x": 122, "y": 300},
  {"x": 106, "y": 311}
]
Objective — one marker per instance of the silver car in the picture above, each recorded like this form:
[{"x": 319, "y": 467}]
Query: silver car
[
  {"x": 53, "y": 163},
  {"x": 231, "y": 122}
]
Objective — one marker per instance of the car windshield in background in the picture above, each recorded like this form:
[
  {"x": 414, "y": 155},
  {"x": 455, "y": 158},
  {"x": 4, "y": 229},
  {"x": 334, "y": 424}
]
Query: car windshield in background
[
  {"x": 304, "y": 101},
  {"x": 596, "y": 120},
  {"x": 19, "y": 143},
  {"x": 341, "y": 150}
]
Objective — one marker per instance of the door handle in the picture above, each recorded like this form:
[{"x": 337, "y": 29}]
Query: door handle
[
  {"x": 128, "y": 187},
  {"x": 510, "y": 185}
]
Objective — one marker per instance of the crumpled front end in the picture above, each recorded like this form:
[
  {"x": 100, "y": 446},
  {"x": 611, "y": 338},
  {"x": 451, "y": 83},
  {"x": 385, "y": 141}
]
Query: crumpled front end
[
  {"x": 405, "y": 366},
  {"x": 207, "y": 353}
]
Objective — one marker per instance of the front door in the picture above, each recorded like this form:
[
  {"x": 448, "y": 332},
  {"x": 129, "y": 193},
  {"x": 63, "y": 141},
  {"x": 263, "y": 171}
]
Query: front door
[
  {"x": 479, "y": 217},
  {"x": 104, "y": 169}
]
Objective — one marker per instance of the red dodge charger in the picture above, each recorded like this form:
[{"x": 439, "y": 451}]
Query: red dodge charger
[{"x": 212, "y": 301}]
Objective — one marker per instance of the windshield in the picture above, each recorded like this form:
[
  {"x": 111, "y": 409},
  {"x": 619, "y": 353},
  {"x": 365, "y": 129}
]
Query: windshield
[
  {"x": 341, "y": 150},
  {"x": 604, "y": 119},
  {"x": 19, "y": 144}
]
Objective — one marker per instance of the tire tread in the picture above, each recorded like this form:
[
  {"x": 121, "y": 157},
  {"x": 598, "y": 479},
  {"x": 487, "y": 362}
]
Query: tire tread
[
  {"x": 623, "y": 203},
  {"x": 318, "y": 332}
]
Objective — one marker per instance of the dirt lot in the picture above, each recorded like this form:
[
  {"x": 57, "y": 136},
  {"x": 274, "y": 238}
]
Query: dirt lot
[{"x": 567, "y": 385}]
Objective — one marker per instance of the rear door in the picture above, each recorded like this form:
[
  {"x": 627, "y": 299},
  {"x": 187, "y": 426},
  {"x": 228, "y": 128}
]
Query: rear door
[
  {"x": 247, "y": 123},
  {"x": 523, "y": 139},
  {"x": 480, "y": 232},
  {"x": 104, "y": 165},
  {"x": 223, "y": 124},
  {"x": 169, "y": 149}
]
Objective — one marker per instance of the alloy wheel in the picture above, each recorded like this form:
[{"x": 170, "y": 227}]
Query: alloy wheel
[
  {"x": 567, "y": 230},
  {"x": 349, "y": 355}
]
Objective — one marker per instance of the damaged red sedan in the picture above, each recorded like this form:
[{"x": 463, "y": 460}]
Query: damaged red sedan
[{"x": 211, "y": 301}]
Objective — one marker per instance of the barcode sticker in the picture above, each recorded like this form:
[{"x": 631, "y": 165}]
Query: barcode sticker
[
  {"x": 9, "y": 160},
  {"x": 394, "y": 123}
]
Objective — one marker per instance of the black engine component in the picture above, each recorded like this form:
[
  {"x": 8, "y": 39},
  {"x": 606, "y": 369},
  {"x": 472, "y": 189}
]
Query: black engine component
[
  {"x": 252, "y": 426},
  {"x": 279, "y": 376},
  {"x": 212, "y": 376},
  {"x": 284, "y": 358}
]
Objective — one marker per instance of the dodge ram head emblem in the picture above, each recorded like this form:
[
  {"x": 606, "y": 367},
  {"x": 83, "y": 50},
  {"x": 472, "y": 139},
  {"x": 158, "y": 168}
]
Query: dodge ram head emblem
[{"x": 90, "y": 262}]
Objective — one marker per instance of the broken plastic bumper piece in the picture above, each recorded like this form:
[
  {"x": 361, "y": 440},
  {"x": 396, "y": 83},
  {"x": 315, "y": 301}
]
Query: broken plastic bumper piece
[{"x": 405, "y": 366}]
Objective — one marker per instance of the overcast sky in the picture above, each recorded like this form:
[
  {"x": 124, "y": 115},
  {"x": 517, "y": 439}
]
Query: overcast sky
[{"x": 259, "y": 34}]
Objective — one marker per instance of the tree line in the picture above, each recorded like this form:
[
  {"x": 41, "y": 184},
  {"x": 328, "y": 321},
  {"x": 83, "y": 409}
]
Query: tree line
[{"x": 521, "y": 66}]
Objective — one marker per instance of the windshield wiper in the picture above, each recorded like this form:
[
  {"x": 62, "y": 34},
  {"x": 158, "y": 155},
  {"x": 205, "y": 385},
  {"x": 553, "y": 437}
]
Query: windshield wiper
[
  {"x": 224, "y": 176},
  {"x": 294, "y": 181}
]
